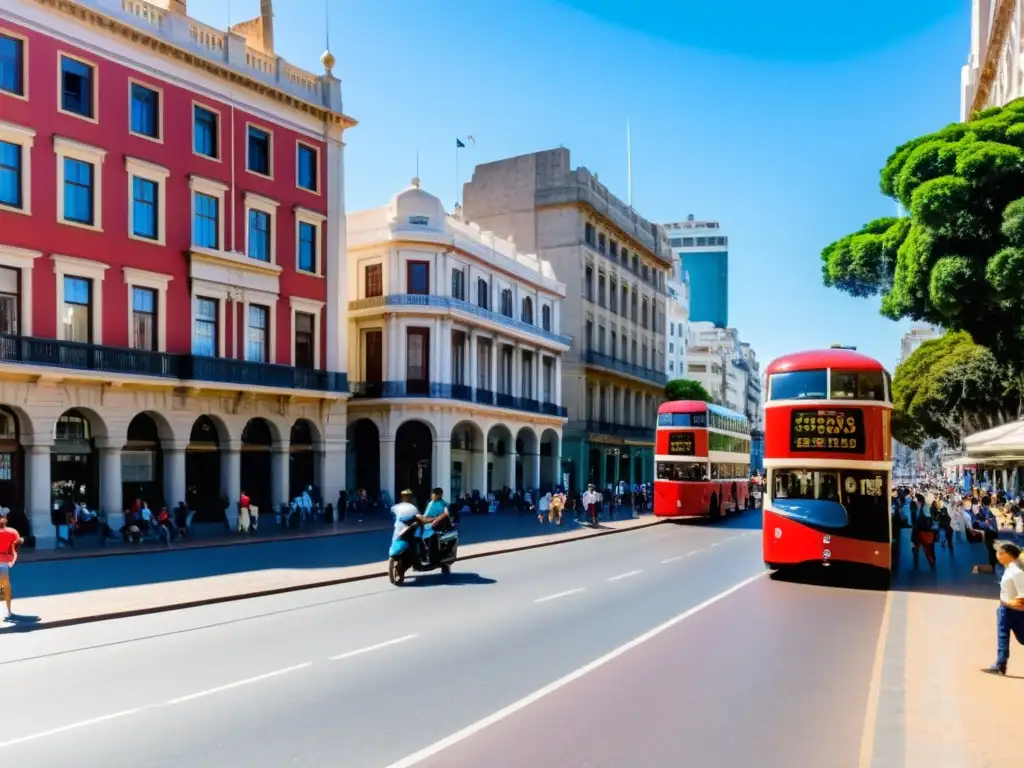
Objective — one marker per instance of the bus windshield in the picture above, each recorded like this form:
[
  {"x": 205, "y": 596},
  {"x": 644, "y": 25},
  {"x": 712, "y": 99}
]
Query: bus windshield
[
  {"x": 800, "y": 385},
  {"x": 862, "y": 494}
]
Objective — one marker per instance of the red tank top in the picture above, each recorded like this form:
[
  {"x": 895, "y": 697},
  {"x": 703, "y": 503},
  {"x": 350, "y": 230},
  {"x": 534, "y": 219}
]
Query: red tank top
[{"x": 8, "y": 538}]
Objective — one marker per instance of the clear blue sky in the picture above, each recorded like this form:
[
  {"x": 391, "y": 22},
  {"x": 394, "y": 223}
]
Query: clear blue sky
[{"x": 773, "y": 118}]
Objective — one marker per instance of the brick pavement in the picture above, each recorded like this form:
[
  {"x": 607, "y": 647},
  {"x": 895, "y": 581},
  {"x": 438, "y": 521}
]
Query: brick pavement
[{"x": 56, "y": 602}]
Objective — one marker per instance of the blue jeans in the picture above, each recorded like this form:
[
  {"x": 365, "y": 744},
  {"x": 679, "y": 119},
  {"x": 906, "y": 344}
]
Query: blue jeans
[{"x": 1007, "y": 620}]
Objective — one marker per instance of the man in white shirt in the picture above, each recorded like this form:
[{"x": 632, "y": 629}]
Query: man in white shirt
[
  {"x": 1010, "y": 615},
  {"x": 591, "y": 498}
]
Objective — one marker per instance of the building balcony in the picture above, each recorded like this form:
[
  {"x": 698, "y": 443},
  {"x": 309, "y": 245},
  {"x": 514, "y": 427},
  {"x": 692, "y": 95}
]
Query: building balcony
[
  {"x": 377, "y": 390},
  {"x": 450, "y": 304},
  {"x": 625, "y": 431},
  {"x": 69, "y": 355},
  {"x": 621, "y": 366}
]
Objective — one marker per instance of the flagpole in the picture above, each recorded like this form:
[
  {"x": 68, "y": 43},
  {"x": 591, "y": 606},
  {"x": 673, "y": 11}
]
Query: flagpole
[
  {"x": 457, "y": 190},
  {"x": 629, "y": 167}
]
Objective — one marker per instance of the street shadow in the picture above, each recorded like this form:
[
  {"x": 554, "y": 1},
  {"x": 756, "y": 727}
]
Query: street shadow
[
  {"x": 20, "y": 619},
  {"x": 952, "y": 574},
  {"x": 836, "y": 575},
  {"x": 78, "y": 574},
  {"x": 744, "y": 520},
  {"x": 454, "y": 579}
]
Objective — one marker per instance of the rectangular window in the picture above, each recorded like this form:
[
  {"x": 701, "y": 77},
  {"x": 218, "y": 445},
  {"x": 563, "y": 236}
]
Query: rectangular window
[
  {"x": 309, "y": 236},
  {"x": 10, "y": 175},
  {"x": 205, "y": 336},
  {"x": 76, "y": 87},
  {"x": 10, "y": 300},
  {"x": 458, "y": 284},
  {"x": 259, "y": 235},
  {"x": 304, "y": 340},
  {"x": 205, "y": 229},
  {"x": 373, "y": 276},
  {"x": 256, "y": 350},
  {"x": 145, "y": 195},
  {"x": 418, "y": 277},
  {"x": 12, "y": 65},
  {"x": 205, "y": 132},
  {"x": 145, "y": 111},
  {"x": 78, "y": 195},
  {"x": 77, "y": 314},
  {"x": 483, "y": 293},
  {"x": 417, "y": 360},
  {"x": 309, "y": 166},
  {"x": 144, "y": 319},
  {"x": 374, "y": 355},
  {"x": 259, "y": 151}
]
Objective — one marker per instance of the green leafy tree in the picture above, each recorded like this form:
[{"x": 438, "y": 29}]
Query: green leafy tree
[
  {"x": 958, "y": 259},
  {"x": 951, "y": 387},
  {"x": 686, "y": 389}
]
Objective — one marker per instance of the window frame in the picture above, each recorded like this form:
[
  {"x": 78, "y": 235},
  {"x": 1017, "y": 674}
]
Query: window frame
[
  {"x": 254, "y": 202},
  {"x": 156, "y": 314},
  {"x": 209, "y": 292},
  {"x": 205, "y": 186},
  {"x": 24, "y": 137},
  {"x": 218, "y": 139},
  {"x": 94, "y": 91},
  {"x": 23, "y": 260},
  {"x": 310, "y": 307},
  {"x": 64, "y": 149},
  {"x": 247, "y": 327},
  {"x": 366, "y": 282},
  {"x": 159, "y": 138},
  {"x": 249, "y": 125},
  {"x": 299, "y": 146},
  {"x": 157, "y": 282},
  {"x": 87, "y": 269},
  {"x": 409, "y": 266},
  {"x": 158, "y": 175},
  {"x": 25, "y": 58},
  {"x": 269, "y": 301},
  {"x": 306, "y": 216}
]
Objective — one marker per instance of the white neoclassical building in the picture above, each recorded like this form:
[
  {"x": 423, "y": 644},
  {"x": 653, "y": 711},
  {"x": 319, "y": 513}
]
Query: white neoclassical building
[{"x": 455, "y": 355}]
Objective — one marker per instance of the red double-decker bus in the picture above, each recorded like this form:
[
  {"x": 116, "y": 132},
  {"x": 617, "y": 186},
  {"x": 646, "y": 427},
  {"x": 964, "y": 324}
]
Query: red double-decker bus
[
  {"x": 828, "y": 460},
  {"x": 702, "y": 457}
]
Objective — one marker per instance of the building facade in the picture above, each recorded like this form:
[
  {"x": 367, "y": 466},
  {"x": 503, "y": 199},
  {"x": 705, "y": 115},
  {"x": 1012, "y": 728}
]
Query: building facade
[
  {"x": 172, "y": 251},
  {"x": 614, "y": 375},
  {"x": 716, "y": 359},
  {"x": 994, "y": 72},
  {"x": 915, "y": 337},
  {"x": 678, "y": 322},
  {"x": 455, "y": 354},
  {"x": 703, "y": 251}
]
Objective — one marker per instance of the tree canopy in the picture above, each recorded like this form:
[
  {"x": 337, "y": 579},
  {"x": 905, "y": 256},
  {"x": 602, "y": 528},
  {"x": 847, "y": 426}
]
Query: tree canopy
[
  {"x": 950, "y": 387},
  {"x": 958, "y": 259},
  {"x": 686, "y": 389}
]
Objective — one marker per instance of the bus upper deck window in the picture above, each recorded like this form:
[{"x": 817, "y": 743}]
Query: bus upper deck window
[
  {"x": 858, "y": 385},
  {"x": 799, "y": 385}
]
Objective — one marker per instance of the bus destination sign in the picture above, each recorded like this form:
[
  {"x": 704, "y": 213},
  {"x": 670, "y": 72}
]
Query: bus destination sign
[
  {"x": 680, "y": 444},
  {"x": 828, "y": 431}
]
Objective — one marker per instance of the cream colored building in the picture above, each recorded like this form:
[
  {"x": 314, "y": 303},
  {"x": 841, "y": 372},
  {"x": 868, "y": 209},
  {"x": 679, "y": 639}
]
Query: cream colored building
[
  {"x": 455, "y": 354},
  {"x": 994, "y": 72}
]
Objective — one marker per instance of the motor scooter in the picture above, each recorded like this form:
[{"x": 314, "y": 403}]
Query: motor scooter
[{"x": 418, "y": 547}]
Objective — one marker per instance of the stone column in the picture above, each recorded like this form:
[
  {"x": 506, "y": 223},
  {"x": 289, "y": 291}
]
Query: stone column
[
  {"x": 517, "y": 370},
  {"x": 494, "y": 365},
  {"x": 175, "y": 487},
  {"x": 280, "y": 456},
  {"x": 335, "y": 261},
  {"x": 510, "y": 465},
  {"x": 473, "y": 361},
  {"x": 231, "y": 478},
  {"x": 442, "y": 470},
  {"x": 38, "y": 498},
  {"x": 478, "y": 476},
  {"x": 446, "y": 352},
  {"x": 331, "y": 469},
  {"x": 558, "y": 379},
  {"x": 538, "y": 376},
  {"x": 111, "y": 489},
  {"x": 531, "y": 470},
  {"x": 387, "y": 468}
]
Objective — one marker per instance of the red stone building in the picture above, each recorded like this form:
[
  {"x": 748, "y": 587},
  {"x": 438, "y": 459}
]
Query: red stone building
[{"x": 172, "y": 262}]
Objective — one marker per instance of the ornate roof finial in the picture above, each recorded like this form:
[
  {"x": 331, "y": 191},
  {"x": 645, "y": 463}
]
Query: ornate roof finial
[
  {"x": 327, "y": 59},
  {"x": 416, "y": 182}
]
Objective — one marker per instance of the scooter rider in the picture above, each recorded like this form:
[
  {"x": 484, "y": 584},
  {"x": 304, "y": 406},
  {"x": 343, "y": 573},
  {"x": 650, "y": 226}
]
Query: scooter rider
[{"x": 436, "y": 515}]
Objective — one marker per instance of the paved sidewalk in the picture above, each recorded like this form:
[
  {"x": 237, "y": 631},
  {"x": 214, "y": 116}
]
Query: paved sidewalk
[
  {"x": 936, "y": 706},
  {"x": 58, "y": 592}
]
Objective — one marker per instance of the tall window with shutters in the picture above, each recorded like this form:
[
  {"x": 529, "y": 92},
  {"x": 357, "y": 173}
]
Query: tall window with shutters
[
  {"x": 304, "y": 341},
  {"x": 144, "y": 319},
  {"x": 10, "y": 300}
]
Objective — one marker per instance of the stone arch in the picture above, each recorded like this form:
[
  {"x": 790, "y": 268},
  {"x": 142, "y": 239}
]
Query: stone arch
[
  {"x": 425, "y": 419},
  {"x": 258, "y": 438},
  {"x": 98, "y": 426},
  {"x": 142, "y": 460},
  {"x": 501, "y": 449},
  {"x": 304, "y": 445},
  {"x": 414, "y": 458},
  {"x": 75, "y": 460},
  {"x": 550, "y": 459},
  {"x": 208, "y": 437},
  {"x": 469, "y": 459},
  {"x": 12, "y": 459},
  {"x": 260, "y": 422},
  {"x": 364, "y": 435},
  {"x": 527, "y": 447}
]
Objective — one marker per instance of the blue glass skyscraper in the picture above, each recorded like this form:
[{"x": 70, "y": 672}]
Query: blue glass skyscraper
[{"x": 704, "y": 253}]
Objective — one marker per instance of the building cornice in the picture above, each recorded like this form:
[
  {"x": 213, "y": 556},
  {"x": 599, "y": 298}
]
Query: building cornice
[
  {"x": 610, "y": 223},
  {"x": 164, "y": 48}
]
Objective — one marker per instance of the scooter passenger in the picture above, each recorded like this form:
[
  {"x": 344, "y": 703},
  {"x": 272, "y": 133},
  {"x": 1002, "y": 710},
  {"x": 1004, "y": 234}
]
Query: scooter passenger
[{"x": 437, "y": 516}]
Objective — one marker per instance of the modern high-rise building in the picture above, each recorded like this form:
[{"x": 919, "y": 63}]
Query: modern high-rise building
[
  {"x": 616, "y": 264},
  {"x": 703, "y": 251},
  {"x": 678, "y": 322},
  {"x": 994, "y": 72},
  {"x": 915, "y": 337},
  {"x": 173, "y": 300}
]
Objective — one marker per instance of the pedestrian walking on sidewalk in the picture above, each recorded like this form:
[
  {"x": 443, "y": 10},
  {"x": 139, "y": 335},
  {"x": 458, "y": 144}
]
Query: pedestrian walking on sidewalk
[
  {"x": 10, "y": 540},
  {"x": 1010, "y": 614}
]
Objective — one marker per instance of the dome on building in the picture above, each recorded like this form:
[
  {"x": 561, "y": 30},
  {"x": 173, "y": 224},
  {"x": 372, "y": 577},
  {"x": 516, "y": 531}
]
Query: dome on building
[{"x": 416, "y": 207}]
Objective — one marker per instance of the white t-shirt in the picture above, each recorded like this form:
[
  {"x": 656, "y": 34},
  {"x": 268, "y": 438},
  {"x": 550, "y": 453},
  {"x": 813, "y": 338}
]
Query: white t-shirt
[{"x": 1011, "y": 586}]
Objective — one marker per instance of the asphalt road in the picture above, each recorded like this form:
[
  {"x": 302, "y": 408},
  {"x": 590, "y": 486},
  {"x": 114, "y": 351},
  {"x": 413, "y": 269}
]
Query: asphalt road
[{"x": 369, "y": 675}]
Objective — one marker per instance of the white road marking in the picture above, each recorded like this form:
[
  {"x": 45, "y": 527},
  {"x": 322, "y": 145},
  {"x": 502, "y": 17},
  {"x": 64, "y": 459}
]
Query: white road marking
[
  {"x": 449, "y": 741},
  {"x": 377, "y": 647},
  {"x": 63, "y": 728},
  {"x": 672, "y": 559},
  {"x": 559, "y": 594},
  {"x": 239, "y": 683},
  {"x": 717, "y": 543},
  {"x": 624, "y": 575},
  {"x": 692, "y": 552}
]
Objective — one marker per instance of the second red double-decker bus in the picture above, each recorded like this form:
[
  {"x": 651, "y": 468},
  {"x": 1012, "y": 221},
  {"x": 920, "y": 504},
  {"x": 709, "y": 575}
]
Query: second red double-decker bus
[
  {"x": 702, "y": 453},
  {"x": 828, "y": 459}
]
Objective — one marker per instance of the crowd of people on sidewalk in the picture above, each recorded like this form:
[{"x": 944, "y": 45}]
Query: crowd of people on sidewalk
[{"x": 945, "y": 517}]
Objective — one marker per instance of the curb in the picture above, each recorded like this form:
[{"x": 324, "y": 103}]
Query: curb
[{"x": 91, "y": 619}]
